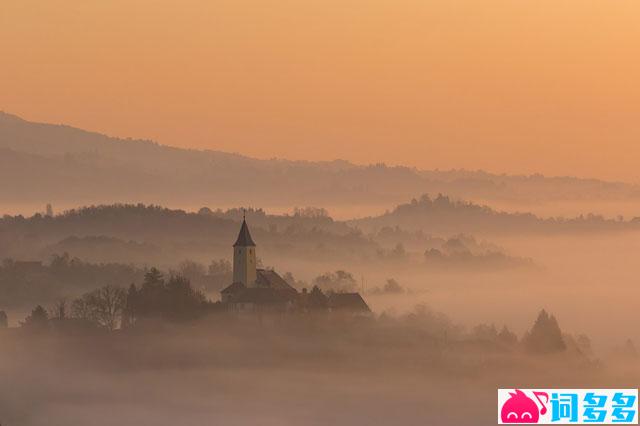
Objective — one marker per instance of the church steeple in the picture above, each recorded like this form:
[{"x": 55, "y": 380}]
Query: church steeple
[
  {"x": 244, "y": 257},
  {"x": 244, "y": 237}
]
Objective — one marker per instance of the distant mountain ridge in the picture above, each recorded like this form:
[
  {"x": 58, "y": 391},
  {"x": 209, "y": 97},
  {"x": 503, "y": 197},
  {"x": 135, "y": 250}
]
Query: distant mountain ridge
[
  {"x": 442, "y": 215},
  {"x": 65, "y": 165},
  {"x": 169, "y": 235},
  {"x": 149, "y": 233}
]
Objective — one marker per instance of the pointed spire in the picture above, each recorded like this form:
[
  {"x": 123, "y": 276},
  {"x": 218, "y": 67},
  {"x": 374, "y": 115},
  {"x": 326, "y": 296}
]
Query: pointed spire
[{"x": 244, "y": 237}]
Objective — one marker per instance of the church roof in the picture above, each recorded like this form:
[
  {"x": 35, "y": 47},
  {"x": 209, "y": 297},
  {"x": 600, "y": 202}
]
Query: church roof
[
  {"x": 261, "y": 296},
  {"x": 267, "y": 278},
  {"x": 270, "y": 288},
  {"x": 233, "y": 288},
  {"x": 244, "y": 237}
]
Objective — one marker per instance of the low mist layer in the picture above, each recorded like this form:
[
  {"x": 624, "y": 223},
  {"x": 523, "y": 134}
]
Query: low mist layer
[{"x": 301, "y": 371}]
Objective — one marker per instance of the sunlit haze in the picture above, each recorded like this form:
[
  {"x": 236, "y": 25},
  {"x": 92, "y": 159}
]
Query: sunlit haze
[{"x": 506, "y": 86}]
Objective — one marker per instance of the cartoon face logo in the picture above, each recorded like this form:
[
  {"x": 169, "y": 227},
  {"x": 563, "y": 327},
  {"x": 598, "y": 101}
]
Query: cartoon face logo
[{"x": 519, "y": 408}]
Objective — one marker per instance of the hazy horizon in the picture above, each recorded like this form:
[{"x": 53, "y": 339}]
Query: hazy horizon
[
  {"x": 329, "y": 159},
  {"x": 505, "y": 87}
]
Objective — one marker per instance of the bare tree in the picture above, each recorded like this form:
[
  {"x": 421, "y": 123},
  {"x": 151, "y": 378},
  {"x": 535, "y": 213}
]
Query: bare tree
[
  {"x": 59, "y": 310},
  {"x": 80, "y": 308},
  {"x": 103, "y": 306}
]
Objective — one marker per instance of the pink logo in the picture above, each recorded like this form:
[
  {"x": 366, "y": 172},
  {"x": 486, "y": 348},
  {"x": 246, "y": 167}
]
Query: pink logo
[{"x": 519, "y": 408}]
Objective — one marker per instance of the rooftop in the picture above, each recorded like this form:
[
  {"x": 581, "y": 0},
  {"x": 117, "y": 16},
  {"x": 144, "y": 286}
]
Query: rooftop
[{"x": 348, "y": 301}]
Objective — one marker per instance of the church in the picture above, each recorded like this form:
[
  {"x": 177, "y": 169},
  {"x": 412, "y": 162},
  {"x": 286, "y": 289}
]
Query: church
[{"x": 255, "y": 289}]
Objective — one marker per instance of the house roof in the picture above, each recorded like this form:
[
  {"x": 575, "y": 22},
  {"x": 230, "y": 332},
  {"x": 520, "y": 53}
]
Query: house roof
[
  {"x": 348, "y": 301},
  {"x": 244, "y": 237},
  {"x": 233, "y": 288}
]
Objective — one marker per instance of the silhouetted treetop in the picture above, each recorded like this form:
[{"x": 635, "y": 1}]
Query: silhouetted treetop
[
  {"x": 545, "y": 336},
  {"x": 38, "y": 320}
]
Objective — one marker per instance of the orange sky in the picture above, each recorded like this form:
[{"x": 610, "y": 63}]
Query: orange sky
[{"x": 509, "y": 86}]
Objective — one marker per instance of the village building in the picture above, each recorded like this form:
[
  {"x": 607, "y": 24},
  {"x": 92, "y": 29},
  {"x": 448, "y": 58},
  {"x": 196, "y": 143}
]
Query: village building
[{"x": 254, "y": 289}]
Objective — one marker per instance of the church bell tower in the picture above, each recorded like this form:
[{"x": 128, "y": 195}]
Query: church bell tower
[{"x": 244, "y": 257}]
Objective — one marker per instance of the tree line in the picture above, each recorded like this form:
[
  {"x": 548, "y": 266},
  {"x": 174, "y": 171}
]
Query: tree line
[{"x": 110, "y": 307}]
